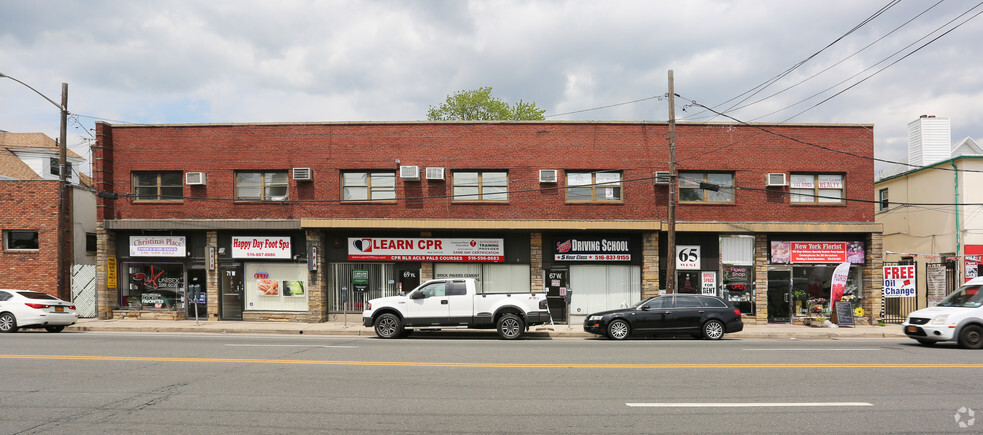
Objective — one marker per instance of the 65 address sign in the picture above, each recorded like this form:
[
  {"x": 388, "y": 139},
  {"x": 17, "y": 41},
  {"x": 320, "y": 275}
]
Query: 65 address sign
[{"x": 687, "y": 257}]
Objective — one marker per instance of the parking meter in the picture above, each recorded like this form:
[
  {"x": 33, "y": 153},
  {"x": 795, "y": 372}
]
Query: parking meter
[{"x": 568, "y": 296}]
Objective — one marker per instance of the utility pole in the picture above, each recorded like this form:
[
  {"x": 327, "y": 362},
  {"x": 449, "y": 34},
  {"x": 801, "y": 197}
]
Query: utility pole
[
  {"x": 65, "y": 251},
  {"x": 673, "y": 184}
]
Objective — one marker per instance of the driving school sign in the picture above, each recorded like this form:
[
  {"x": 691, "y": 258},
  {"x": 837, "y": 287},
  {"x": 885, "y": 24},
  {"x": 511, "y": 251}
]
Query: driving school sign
[
  {"x": 430, "y": 249},
  {"x": 899, "y": 281},
  {"x": 591, "y": 249}
]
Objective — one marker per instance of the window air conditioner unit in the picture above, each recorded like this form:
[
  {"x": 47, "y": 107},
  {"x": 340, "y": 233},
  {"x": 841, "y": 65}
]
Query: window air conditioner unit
[
  {"x": 195, "y": 178},
  {"x": 409, "y": 173},
  {"x": 776, "y": 179},
  {"x": 661, "y": 178},
  {"x": 302, "y": 174},
  {"x": 435, "y": 173},
  {"x": 547, "y": 175}
]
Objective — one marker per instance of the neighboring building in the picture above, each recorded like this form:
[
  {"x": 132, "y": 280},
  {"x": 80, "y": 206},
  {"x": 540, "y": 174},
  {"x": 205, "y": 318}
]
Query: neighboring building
[
  {"x": 947, "y": 236},
  {"x": 299, "y": 221},
  {"x": 29, "y": 216}
]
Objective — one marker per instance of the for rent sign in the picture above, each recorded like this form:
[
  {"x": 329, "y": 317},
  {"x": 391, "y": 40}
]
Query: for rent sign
[
  {"x": 431, "y": 249},
  {"x": 899, "y": 281}
]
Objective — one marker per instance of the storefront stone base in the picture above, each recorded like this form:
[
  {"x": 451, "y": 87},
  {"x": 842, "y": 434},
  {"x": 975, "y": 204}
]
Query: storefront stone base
[{"x": 147, "y": 315}]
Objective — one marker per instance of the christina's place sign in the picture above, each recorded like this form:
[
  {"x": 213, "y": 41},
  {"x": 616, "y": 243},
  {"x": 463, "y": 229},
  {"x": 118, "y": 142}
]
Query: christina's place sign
[
  {"x": 157, "y": 246},
  {"x": 399, "y": 249},
  {"x": 592, "y": 249}
]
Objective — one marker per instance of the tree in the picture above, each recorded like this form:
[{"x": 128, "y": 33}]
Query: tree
[{"x": 480, "y": 105}]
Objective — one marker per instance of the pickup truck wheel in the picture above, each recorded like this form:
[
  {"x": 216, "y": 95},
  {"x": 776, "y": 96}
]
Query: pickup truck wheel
[
  {"x": 388, "y": 325},
  {"x": 618, "y": 329},
  {"x": 510, "y": 326},
  {"x": 971, "y": 337}
]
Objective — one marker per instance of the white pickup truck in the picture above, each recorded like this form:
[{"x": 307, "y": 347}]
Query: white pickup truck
[{"x": 455, "y": 303}]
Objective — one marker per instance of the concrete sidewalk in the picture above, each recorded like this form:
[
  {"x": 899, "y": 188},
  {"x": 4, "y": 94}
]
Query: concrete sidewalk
[{"x": 355, "y": 328}]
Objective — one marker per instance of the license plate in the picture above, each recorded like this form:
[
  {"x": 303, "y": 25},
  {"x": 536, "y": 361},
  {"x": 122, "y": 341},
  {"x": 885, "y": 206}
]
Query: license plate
[
  {"x": 912, "y": 329},
  {"x": 59, "y": 309}
]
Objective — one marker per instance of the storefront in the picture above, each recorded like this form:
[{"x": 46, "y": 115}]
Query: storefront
[
  {"x": 593, "y": 272},
  {"x": 263, "y": 276},
  {"x": 152, "y": 274},
  {"x": 800, "y": 275}
]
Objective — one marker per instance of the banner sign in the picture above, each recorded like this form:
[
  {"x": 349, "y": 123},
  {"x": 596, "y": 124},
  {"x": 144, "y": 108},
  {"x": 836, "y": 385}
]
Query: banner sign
[
  {"x": 838, "y": 281},
  {"x": 592, "y": 249},
  {"x": 261, "y": 247},
  {"x": 111, "y": 272},
  {"x": 157, "y": 246},
  {"x": 899, "y": 281},
  {"x": 817, "y": 252},
  {"x": 431, "y": 249},
  {"x": 687, "y": 257}
]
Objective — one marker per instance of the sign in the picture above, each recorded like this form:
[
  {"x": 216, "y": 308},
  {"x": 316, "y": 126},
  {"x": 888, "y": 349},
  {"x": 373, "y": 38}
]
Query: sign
[
  {"x": 430, "y": 249},
  {"x": 360, "y": 280},
  {"x": 783, "y": 252},
  {"x": 212, "y": 259},
  {"x": 737, "y": 273},
  {"x": 261, "y": 247},
  {"x": 935, "y": 280},
  {"x": 843, "y": 313},
  {"x": 157, "y": 246},
  {"x": 687, "y": 257},
  {"x": 592, "y": 249},
  {"x": 709, "y": 280},
  {"x": 312, "y": 258},
  {"x": 972, "y": 266},
  {"x": 899, "y": 281},
  {"x": 111, "y": 272},
  {"x": 838, "y": 281}
]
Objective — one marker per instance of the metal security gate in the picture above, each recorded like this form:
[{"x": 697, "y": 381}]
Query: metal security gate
[
  {"x": 895, "y": 310},
  {"x": 84, "y": 289}
]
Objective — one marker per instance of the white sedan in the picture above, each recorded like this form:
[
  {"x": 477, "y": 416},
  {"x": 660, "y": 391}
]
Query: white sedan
[{"x": 31, "y": 309}]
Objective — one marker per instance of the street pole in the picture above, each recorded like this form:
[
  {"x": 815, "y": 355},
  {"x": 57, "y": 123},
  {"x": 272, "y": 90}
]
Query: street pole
[
  {"x": 64, "y": 231},
  {"x": 673, "y": 183}
]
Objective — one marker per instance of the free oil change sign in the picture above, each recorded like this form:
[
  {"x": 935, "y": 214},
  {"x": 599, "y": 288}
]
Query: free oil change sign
[{"x": 899, "y": 281}]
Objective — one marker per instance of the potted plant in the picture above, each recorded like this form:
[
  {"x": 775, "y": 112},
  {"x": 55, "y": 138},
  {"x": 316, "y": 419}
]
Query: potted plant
[{"x": 799, "y": 296}]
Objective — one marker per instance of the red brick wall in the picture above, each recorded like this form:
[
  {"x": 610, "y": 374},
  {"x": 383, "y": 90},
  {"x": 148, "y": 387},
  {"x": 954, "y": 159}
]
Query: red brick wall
[
  {"x": 30, "y": 205},
  {"x": 638, "y": 149}
]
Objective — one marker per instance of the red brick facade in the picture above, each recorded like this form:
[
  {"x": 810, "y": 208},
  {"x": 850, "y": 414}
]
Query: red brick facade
[
  {"x": 638, "y": 149},
  {"x": 30, "y": 205}
]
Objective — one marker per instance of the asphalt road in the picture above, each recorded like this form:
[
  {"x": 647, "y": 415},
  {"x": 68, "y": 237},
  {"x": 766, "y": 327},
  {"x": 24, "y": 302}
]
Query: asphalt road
[{"x": 201, "y": 383}]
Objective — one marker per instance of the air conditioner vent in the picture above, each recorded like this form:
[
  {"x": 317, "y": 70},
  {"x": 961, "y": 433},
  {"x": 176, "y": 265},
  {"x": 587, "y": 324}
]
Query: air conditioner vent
[
  {"x": 661, "y": 178},
  {"x": 303, "y": 174},
  {"x": 195, "y": 178},
  {"x": 547, "y": 175},
  {"x": 776, "y": 179},
  {"x": 409, "y": 173},
  {"x": 435, "y": 173}
]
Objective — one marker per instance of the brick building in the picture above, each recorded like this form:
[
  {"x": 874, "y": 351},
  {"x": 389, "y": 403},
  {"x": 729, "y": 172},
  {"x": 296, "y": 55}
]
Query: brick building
[{"x": 299, "y": 221}]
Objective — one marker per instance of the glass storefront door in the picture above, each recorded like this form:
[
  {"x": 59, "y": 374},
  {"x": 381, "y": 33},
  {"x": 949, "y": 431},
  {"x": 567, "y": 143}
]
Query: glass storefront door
[
  {"x": 779, "y": 295},
  {"x": 232, "y": 290}
]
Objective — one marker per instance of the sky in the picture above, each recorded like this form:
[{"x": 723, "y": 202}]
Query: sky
[{"x": 882, "y": 62}]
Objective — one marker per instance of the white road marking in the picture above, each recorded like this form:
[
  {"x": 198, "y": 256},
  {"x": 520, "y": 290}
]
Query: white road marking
[
  {"x": 291, "y": 345},
  {"x": 747, "y": 405}
]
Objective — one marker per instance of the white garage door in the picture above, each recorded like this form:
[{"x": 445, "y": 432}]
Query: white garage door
[{"x": 599, "y": 288}]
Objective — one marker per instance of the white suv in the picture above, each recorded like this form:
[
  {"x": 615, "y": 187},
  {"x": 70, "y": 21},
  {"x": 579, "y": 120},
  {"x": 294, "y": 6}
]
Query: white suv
[{"x": 958, "y": 317}]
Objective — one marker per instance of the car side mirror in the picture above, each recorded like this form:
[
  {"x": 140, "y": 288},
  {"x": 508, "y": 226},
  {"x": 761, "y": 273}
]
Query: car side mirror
[
  {"x": 416, "y": 295},
  {"x": 644, "y": 308}
]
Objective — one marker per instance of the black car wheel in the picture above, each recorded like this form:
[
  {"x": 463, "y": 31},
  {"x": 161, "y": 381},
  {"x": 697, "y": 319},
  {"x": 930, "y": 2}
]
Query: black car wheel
[
  {"x": 58, "y": 328},
  {"x": 388, "y": 325},
  {"x": 510, "y": 326},
  {"x": 618, "y": 329},
  {"x": 713, "y": 330},
  {"x": 8, "y": 323},
  {"x": 971, "y": 337}
]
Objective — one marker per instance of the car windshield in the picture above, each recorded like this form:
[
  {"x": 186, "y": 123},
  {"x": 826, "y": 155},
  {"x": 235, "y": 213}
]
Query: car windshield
[
  {"x": 37, "y": 295},
  {"x": 969, "y": 297},
  {"x": 639, "y": 303}
]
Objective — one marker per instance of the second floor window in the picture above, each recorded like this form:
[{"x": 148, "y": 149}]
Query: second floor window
[
  {"x": 261, "y": 186},
  {"x": 601, "y": 186},
  {"x": 368, "y": 186},
  {"x": 816, "y": 188},
  {"x": 481, "y": 186},
  {"x": 882, "y": 201},
  {"x": 690, "y": 187},
  {"x": 56, "y": 165},
  {"x": 158, "y": 186}
]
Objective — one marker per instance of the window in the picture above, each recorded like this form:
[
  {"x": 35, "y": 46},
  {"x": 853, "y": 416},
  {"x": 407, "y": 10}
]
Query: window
[
  {"x": 368, "y": 186},
  {"x": 20, "y": 240},
  {"x": 817, "y": 188},
  {"x": 882, "y": 199},
  {"x": 90, "y": 242},
  {"x": 481, "y": 186},
  {"x": 690, "y": 187},
  {"x": 601, "y": 186},
  {"x": 158, "y": 186},
  {"x": 261, "y": 186},
  {"x": 54, "y": 164}
]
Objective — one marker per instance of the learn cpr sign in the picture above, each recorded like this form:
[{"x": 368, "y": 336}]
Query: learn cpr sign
[{"x": 899, "y": 281}]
